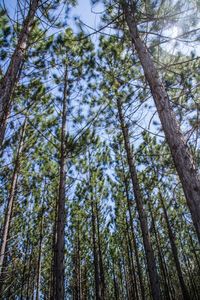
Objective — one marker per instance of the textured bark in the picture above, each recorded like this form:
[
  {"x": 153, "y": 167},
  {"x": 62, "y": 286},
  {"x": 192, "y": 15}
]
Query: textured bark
[
  {"x": 151, "y": 264},
  {"x": 178, "y": 146},
  {"x": 10, "y": 201},
  {"x": 185, "y": 292},
  {"x": 11, "y": 76},
  {"x": 59, "y": 246}
]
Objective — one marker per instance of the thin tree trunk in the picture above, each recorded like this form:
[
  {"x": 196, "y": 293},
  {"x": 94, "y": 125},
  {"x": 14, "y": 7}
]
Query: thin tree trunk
[
  {"x": 185, "y": 292},
  {"x": 59, "y": 246},
  {"x": 79, "y": 264},
  {"x": 84, "y": 285},
  {"x": 29, "y": 274},
  {"x": 39, "y": 260},
  {"x": 133, "y": 280},
  {"x": 11, "y": 76},
  {"x": 101, "y": 268},
  {"x": 24, "y": 267},
  {"x": 52, "y": 275},
  {"x": 193, "y": 291},
  {"x": 115, "y": 284},
  {"x": 180, "y": 152},
  {"x": 96, "y": 263},
  {"x": 10, "y": 201},
  {"x": 160, "y": 255},
  {"x": 151, "y": 264},
  {"x": 142, "y": 290}
]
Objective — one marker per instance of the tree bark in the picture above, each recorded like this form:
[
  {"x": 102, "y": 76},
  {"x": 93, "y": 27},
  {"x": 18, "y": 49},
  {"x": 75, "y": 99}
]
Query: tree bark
[
  {"x": 151, "y": 264},
  {"x": 184, "y": 290},
  {"x": 101, "y": 267},
  {"x": 11, "y": 76},
  {"x": 182, "y": 157},
  {"x": 133, "y": 279},
  {"x": 160, "y": 254},
  {"x": 59, "y": 243},
  {"x": 10, "y": 201},
  {"x": 39, "y": 260},
  {"x": 95, "y": 255},
  {"x": 139, "y": 269}
]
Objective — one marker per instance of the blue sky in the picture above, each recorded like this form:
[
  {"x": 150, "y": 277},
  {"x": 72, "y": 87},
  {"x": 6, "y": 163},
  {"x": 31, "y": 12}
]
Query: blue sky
[{"x": 89, "y": 14}]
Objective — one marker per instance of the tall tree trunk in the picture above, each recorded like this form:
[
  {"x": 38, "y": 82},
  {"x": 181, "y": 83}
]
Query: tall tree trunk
[
  {"x": 101, "y": 267},
  {"x": 142, "y": 290},
  {"x": 160, "y": 255},
  {"x": 53, "y": 261},
  {"x": 84, "y": 285},
  {"x": 25, "y": 251},
  {"x": 180, "y": 152},
  {"x": 115, "y": 283},
  {"x": 133, "y": 279},
  {"x": 29, "y": 273},
  {"x": 10, "y": 201},
  {"x": 95, "y": 255},
  {"x": 185, "y": 292},
  {"x": 11, "y": 76},
  {"x": 59, "y": 246},
  {"x": 39, "y": 260},
  {"x": 151, "y": 264}
]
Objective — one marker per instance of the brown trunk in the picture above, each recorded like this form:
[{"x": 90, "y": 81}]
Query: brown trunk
[
  {"x": 77, "y": 269},
  {"x": 95, "y": 255},
  {"x": 11, "y": 76},
  {"x": 160, "y": 255},
  {"x": 180, "y": 152},
  {"x": 115, "y": 284},
  {"x": 84, "y": 285},
  {"x": 101, "y": 268},
  {"x": 29, "y": 274},
  {"x": 59, "y": 243},
  {"x": 175, "y": 252},
  {"x": 39, "y": 261},
  {"x": 133, "y": 280},
  {"x": 142, "y": 290},
  {"x": 151, "y": 264},
  {"x": 10, "y": 201},
  {"x": 24, "y": 265},
  {"x": 194, "y": 291}
]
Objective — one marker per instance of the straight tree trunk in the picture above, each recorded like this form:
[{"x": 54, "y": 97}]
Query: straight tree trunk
[
  {"x": 39, "y": 260},
  {"x": 95, "y": 255},
  {"x": 181, "y": 154},
  {"x": 151, "y": 264},
  {"x": 25, "y": 250},
  {"x": 28, "y": 288},
  {"x": 160, "y": 255},
  {"x": 142, "y": 290},
  {"x": 84, "y": 281},
  {"x": 59, "y": 246},
  {"x": 10, "y": 201},
  {"x": 115, "y": 283},
  {"x": 52, "y": 275},
  {"x": 133, "y": 279},
  {"x": 184, "y": 290},
  {"x": 8, "y": 82},
  {"x": 101, "y": 267}
]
